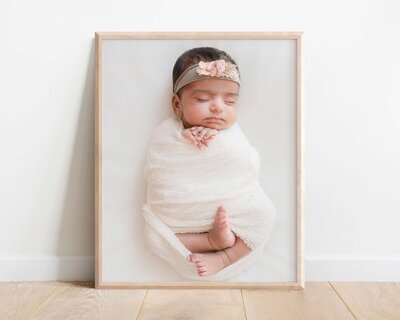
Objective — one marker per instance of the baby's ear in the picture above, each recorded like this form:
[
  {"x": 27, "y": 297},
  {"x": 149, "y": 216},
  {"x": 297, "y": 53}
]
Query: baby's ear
[{"x": 176, "y": 105}]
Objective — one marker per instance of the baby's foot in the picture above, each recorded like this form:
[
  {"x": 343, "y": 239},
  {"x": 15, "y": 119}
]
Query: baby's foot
[
  {"x": 209, "y": 263},
  {"x": 221, "y": 235}
]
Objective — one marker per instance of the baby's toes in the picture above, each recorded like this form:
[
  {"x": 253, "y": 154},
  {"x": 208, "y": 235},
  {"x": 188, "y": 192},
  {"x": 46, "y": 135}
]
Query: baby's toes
[
  {"x": 220, "y": 209},
  {"x": 198, "y": 263},
  {"x": 202, "y": 273},
  {"x": 224, "y": 223},
  {"x": 223, "y": 216}
]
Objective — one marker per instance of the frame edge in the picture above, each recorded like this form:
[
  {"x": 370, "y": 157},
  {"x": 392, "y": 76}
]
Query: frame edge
[
  {"x": 99, "y": 37},
  {"x": 98, "y": 160},
  {"x": 205, "y": 35},
  {"x": 300, "y": 164}
]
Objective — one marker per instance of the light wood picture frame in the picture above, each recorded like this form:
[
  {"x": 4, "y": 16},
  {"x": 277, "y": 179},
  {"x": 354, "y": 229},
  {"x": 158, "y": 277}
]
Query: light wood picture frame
[{"x": 133, "y": 90}]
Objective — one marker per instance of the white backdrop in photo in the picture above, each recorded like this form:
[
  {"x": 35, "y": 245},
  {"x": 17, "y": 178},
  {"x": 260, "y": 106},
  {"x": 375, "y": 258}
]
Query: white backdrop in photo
[{"x": 137, "y": 93}]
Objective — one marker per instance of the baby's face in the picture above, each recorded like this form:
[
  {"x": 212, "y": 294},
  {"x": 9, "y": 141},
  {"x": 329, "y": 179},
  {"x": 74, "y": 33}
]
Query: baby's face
[{"x": 209, "y": 103}]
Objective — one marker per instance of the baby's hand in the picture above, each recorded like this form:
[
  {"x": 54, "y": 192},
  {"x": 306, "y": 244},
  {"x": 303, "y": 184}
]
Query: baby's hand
[
  {"x": 200, "y": 136},
  {"x": 203, "y": 135},
  {"x": 188, "y": 134}
]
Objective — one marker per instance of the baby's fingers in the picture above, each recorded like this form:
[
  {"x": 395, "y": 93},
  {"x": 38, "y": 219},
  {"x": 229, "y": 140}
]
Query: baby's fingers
[
  {"x": 203, "y": 133},
  {"x": 208, "y": 140},
  {"x": 211, "y": 138},
  {"x": 196, "y": 129},
  {"x": 210, "y": 135},
  {"x": 188, "y": 135},
  {"x": 202, "y": 145}
]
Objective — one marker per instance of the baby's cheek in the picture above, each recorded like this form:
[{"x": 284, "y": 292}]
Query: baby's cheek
[{"x": 196, "y": 114}]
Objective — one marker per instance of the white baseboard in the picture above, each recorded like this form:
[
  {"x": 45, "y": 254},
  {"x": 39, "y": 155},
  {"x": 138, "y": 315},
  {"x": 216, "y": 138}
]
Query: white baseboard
[
  {"x": 317, "y": 268},
  {"x": 46, "y": 268},
  {"x": 352, "y": 268}
]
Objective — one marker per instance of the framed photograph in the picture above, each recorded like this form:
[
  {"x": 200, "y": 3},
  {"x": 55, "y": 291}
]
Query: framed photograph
[{"x": 185, "y": 204}]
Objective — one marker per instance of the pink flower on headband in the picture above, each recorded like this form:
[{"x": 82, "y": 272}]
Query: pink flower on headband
[
  {"x": 213, "y": 68},
  {"x": 220, "y": 65}
]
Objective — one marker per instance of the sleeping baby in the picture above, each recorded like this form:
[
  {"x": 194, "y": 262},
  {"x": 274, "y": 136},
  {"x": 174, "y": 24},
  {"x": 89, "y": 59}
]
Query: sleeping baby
[{"x": 206, "y": 213}]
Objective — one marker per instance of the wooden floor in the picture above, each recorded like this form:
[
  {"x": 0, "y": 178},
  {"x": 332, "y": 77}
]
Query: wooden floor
[{"x": 319, "y": 301}]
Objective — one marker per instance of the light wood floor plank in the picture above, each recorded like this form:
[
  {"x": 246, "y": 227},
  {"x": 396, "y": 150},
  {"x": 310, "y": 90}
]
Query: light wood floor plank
[
  {"x": 82, "y": 301},
  {"x": 317, "y": 301},
  {"x": 18, "y": 300},
  {"x": 371, "y": 300},
  {"x": 193, "y": 304},
  {"x": 320, "y": 300}
]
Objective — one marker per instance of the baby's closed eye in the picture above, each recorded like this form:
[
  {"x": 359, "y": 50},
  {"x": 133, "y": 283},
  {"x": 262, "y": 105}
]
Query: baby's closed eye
[
  {"x": 202, "y": 100},
  {"x": 229, "y": 102}
]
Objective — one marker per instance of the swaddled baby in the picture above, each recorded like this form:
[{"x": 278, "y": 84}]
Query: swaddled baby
[{"x": 202, "y": 173}]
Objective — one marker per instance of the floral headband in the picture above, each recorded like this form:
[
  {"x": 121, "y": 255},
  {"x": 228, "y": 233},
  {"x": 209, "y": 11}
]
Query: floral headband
[{"x": 205, "y": 70}]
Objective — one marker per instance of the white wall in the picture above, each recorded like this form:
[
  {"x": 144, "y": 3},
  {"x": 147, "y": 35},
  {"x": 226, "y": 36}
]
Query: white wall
[{"x": 352, "y": 131}]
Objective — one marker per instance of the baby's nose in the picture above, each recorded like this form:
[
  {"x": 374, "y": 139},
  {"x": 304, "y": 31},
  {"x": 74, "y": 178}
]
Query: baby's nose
[{"x": 217, "y": 105}]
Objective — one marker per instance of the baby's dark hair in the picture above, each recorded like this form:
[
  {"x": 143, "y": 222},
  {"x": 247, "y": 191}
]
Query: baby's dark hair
[{"x": 195, "y": 55}]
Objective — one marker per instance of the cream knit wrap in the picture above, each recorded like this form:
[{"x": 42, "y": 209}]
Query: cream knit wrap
[{"x": 186, "y": 185}]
